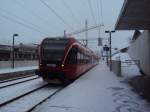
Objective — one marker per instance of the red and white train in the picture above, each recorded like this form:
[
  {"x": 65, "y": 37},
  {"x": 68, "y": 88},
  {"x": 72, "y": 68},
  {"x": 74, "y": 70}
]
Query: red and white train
[{"x": 64, "y": 59}]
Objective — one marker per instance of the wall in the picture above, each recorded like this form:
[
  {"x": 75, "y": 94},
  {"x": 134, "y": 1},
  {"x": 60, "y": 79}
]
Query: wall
[{"x": 140, "y": 50}]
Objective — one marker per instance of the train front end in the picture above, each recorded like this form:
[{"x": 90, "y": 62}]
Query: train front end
[{"x": 51, "y": 53}]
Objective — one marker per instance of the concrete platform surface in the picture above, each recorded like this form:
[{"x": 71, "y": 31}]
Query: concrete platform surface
[{"x": 99, "y": 90}]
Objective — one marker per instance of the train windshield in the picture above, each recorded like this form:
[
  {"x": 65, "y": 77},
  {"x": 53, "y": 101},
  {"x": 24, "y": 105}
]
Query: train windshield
[{"x": 53, "y": 50}]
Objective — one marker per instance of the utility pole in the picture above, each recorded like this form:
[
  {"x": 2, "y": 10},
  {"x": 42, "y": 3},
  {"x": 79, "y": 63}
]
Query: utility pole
[
  {"x": 65, "y": 34},
  {"x": 99, "y": 32},
  {"x": 99, "y": 37},
  {"x": 86, "y": 32}
]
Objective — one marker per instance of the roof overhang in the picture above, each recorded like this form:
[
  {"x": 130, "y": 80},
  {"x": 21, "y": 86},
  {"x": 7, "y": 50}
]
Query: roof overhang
[{"x": 134, "y": 15}]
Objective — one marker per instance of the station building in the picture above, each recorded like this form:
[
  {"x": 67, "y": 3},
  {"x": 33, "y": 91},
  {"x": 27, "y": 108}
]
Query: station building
[
  {"x": 21, "y": 52},
  {"x": 135, "y": 15}
]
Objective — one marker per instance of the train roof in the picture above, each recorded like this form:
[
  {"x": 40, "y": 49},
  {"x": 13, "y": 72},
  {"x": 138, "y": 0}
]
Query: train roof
[
  {"x": 63, "y": 39},
  {"x": 66, "y": 39},
  {"x": 54, "y": 38}
]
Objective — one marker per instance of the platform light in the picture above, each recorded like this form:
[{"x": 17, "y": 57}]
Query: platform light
[{"x": 13, "y": 57}]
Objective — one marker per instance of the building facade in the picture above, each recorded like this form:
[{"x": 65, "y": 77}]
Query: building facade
[{"x": 21, "y": 52}]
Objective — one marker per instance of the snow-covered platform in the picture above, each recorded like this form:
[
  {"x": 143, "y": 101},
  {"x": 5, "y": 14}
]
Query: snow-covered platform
[
  {"x": 8, "y": 74},
  {"x": 18, "y": 69},
  {"x": 98, "y": 90}
]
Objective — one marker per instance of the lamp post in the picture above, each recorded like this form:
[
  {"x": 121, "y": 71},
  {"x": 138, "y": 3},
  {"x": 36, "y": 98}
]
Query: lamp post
[
  {"x": 86, "y": 33},
  {"x": 13, "y": 58},
  {"x": 110, "y": 47}
]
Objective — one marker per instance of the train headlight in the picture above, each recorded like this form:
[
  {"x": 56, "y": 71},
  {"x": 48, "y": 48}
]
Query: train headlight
[{"x": 62, "y": 65}]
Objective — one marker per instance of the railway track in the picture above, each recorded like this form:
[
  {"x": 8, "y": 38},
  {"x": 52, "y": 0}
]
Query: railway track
[
  {"x": 15, "y": 98},
  {"x": 14, "y": 91},
  {"x": 17, "y": 78},
  {"x": 17, "y": 81},
  {"x": 24, "y": 103}
]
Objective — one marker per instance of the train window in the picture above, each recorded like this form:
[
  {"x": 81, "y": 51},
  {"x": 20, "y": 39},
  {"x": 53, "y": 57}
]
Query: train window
[
  {"x": 55, "y": 41},
  {"x": 53, "y": 50},
  {"x": 79, "y": 57},
  {"x": 72, "y": 56},
  {"x": 53, "y": 56},
  {"x": 53, "y": 47},
  {"x": 83, "y": 58}
]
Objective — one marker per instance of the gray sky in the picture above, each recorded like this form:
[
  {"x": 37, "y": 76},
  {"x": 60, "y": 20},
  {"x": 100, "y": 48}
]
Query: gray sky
[{"x": 33, "y": 21}]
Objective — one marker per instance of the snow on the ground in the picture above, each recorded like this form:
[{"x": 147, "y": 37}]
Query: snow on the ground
[
  {"x": 18, "y": 69},
  {"x": 19, "y": 89},
  {"x": 128, "y": 70},
  {"x": 99, "y": 90},
  {"x": 4, "y": 84},
  {"x": 27, "y": 102}
]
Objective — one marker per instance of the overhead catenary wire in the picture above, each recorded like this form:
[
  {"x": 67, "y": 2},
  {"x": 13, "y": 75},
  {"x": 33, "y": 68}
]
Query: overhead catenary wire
[
  {"x": 70, "y": 10},
  {"x": 101, "y": 9},
  {"x": 92, "y": 12},
  {"x": 43, "y": 20},
  {"x": 99, "y": 18},
  {"x": 57, "y": 15},
  {"x": 98, "y": 10},
  {"x": 83, "y": 30},
  {"x": 22, "y": 24},
  {"x": 101, "y": 12},
  {"x": 19, "y": 18}
]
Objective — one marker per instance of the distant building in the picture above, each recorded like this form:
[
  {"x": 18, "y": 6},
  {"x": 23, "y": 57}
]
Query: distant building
[{"x": 21, "y": 52}]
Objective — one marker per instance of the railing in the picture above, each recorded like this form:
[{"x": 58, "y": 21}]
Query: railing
[{"x": 132, "y": 62}]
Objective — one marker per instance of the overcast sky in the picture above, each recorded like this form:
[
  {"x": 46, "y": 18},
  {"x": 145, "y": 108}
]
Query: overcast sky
[{"x": 33, "y": 20}]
